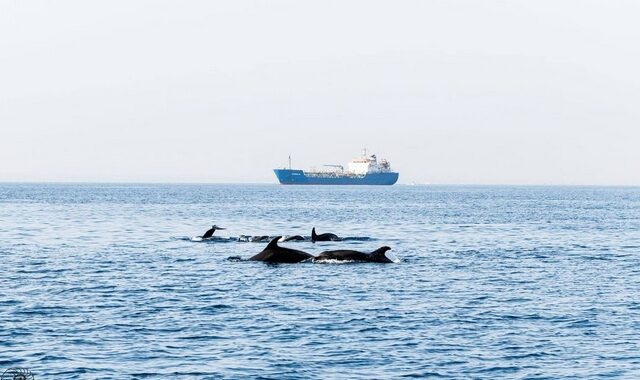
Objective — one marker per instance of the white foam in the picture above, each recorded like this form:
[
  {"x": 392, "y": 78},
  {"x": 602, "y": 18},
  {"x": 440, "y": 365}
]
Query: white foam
[
  {"x": 392, "y": 257},
  {"x": 333, "y": 261}
]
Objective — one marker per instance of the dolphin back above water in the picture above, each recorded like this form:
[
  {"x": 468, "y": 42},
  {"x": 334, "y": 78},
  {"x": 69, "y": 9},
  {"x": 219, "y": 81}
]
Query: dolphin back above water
[
  {"x": 292, "y": 238},
  {"x": 380, "y": 255},
  {"x": 323, "y": 237},
  {"x": 273, "y": 253},
  {"x": 252, "y": 239}
]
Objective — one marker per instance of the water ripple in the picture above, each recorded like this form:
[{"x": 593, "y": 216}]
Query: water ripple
[{"x": 104, "y": 281}]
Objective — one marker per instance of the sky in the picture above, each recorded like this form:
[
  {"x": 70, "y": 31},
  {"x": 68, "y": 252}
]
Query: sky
[{"x": 450, "y": 92}]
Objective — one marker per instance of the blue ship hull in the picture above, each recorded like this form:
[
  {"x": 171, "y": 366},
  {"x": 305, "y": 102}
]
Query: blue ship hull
[{"x": 298, "y": 177}]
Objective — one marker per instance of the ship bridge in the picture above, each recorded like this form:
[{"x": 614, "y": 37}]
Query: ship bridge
[{"x": 368, "y": 164}]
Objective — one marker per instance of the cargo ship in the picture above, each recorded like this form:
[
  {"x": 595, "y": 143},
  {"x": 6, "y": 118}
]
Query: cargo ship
[{"x": 363, "y": 170}]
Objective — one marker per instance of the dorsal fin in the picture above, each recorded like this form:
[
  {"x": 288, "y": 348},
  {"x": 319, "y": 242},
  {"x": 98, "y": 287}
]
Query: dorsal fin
[
  {"x": 380, "y": 251},
  {"x": 313, "y": 232},
  {"x": 273, "y": 243}
]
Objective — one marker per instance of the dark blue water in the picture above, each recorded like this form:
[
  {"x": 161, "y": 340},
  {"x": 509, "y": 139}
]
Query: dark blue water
[{"x": 102, "y": 282}]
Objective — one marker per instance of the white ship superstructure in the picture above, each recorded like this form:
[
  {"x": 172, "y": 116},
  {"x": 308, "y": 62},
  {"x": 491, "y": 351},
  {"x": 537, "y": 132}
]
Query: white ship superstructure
[{"x": 368, "y": 164}]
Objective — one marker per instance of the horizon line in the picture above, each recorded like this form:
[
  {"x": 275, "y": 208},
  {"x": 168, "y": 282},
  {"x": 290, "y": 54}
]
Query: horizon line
[{"x": 31, "y": 182}]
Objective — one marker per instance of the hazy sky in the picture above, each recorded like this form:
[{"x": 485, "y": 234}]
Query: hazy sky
[{"x": 482, "y": 92}]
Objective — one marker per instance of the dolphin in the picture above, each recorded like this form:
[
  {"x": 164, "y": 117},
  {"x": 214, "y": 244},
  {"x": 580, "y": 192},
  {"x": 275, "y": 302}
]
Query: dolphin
[
  {"x": 291, "y": 238},
  {"x": 252, "y": 239},
  {"x": 273, "y": 253},
  {"x": 323, "y": 237},
  {"x": 211, "y": 231},
  {"x": 380, "y": 255}
]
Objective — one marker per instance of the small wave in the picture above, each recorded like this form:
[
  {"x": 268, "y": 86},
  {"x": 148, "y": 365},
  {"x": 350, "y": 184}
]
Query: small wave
[
  {"x": 214, "y": 239},
  {"x": 234, "y": 258},
  {"x": 49, "y": 358},
  {"x": 202, "y": 337},
  {"x": 11, "y": 362},
  {"x": 507, "y": 368},
  {"x": 422, "y": 375},
  {"x": 333, "y": 261},
  {"x": 213, "y": 308}
]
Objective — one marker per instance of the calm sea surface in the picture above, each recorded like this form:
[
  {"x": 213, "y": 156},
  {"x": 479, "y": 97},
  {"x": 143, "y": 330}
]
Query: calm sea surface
[{"x": 104, "y": 282}]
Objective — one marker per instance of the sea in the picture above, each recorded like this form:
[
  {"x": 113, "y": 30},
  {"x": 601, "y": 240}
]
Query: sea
[{"x": 110, "y": 281}]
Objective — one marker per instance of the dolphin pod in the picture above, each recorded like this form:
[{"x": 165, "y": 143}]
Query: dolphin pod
[
  {"x": 273, "y": 253},
  {"x": 208, "y": 235}
]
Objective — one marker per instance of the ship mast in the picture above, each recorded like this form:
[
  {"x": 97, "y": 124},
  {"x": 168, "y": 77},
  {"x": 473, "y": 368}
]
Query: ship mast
[{"x": 289, "y": 162}]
